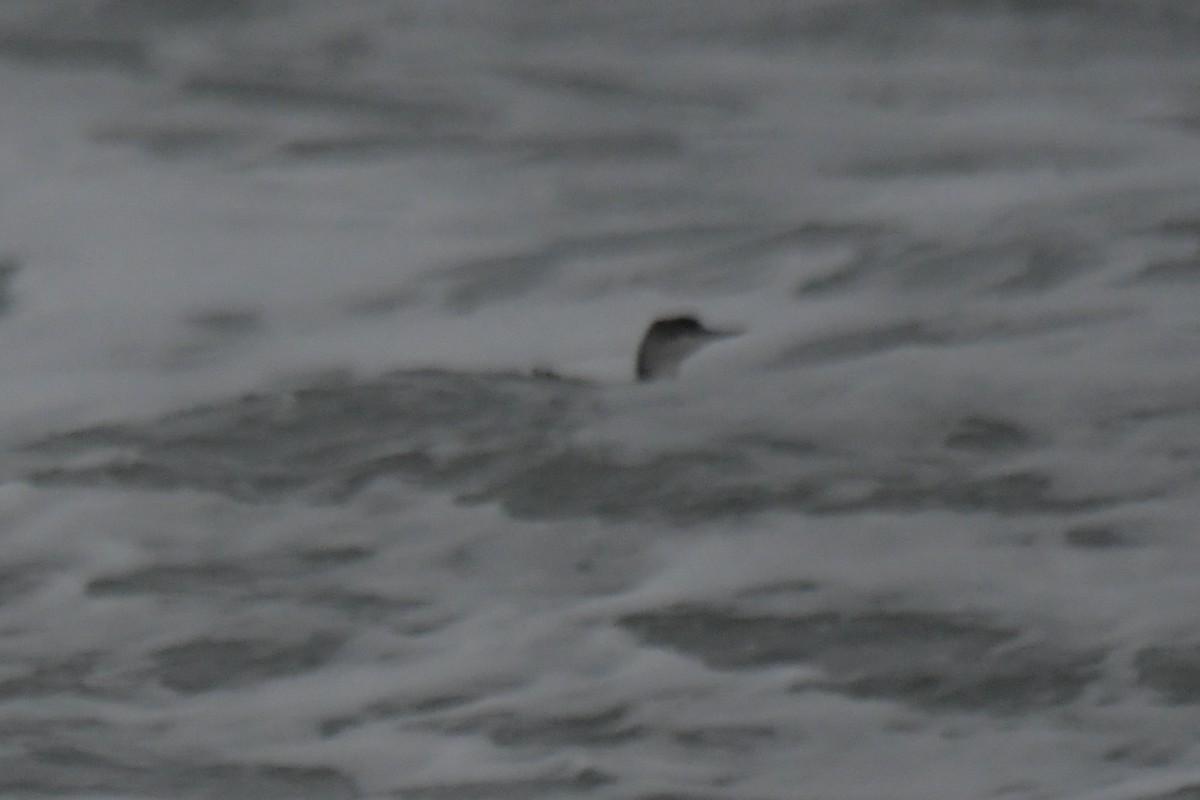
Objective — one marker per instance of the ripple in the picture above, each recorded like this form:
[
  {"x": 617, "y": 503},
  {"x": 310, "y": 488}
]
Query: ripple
[
  {"x": 607, "y": 726},
  {"x": 1172, "y": 671},
  {"x": 206, "y": 664},
  {"x": 987, "y": 434},
  {"x": 584, "y": 780},
  {"x": 923, "y": 659}
]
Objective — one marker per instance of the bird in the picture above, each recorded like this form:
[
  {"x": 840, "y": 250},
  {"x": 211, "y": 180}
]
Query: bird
[{"x": 668, "y": 341}]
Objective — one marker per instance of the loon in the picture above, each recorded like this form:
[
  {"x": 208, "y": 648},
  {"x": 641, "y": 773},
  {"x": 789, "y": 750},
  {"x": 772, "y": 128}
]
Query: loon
[{"x": 670, "y": 340}]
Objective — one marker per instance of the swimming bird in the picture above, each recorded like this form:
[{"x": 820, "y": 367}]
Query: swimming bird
[{"x": 670, "y": 340}]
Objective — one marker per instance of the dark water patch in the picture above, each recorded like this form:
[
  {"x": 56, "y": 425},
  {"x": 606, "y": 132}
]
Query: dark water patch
[
  {"x": 1022, "y": 492},
  {"x": 952, "y": 161},
  {"x": 296, "y": 92},
  {"x": 79, "y": 51},
  {"x": 1184, "y": 265},
  {"x": 607, "y": 146},
  {"x": 146, "y": 474},
  {"x": 366, "y": 606},
  {"x": 1172, "y": 671},
  {"x": 335, "y": 555},
  {"x": 604, "y": 727},
  {"x": 206, "y": 664},
  {"x": 326, "y": 441},
  {"x": 140, "y": 12},
  {"x": 375, "y": 145},
  {"x": 20, "y": 579},
  {"x": 582, "y": 781},
  {"x": 172, "y": 141},
  {"x": 174, "y": 579},
  {"x": 10, "y": 265},
  {"x": 1013, "y": 492},
  {"x": 1187, "y": 225},
  {"x": 226, "y": 321},
  {"x": 923, "y": 659},
  {"x": 1010, "y": 493},
  {"x": 1094, "y": 537},
  {"x": 595, "y": 86},
  {"x": 676, "y": 21},
  {"x": 1050, "y": 33},
  {"x": 71, "y": 675},
  {"x": 726, "y": 639},
  {"x": 1184, "y": 793},
  {"x": 1044, "y": 265},
  {"x": 53, "y": 769},
  {"x": 209, "y": 335},
  {"x": 578, "y": 483},
  {"x": 73, "y": 442},
  {"x": 1188, "y": 120},
  {"x": 736, "y": 738},
  {"x": 987, "y": 434},
  {"x": 263, "y": 782},
  {"x": 392, "y": 710},
  {"x": 411, "y": 465},
  {"x": 1046, "y": 32},
  {"x": 551, "y": 20},
  {"x": 1137, "y": 753},
  {"x": 301, "y": 582},
  {"x": 828, "y": 24},
  {"x": 1167, "y": 411},
  {"x": 326, "y": 447},
  {"x": 1166, "y": 13},
  {"x": 776, "y": 446},
  {"x": 1183, "y": 270},
  {"x": 1054, "y": 31},
  {"x": 1020, "y": 680},
  {"x": 580, "y": 731},
  {"x": 575, "y": 148},
  {"x": 384, "y": 300},
  {"x": 505, "y": 439}
]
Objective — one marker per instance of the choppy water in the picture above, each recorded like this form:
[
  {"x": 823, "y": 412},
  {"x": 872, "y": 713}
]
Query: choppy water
[{"x": 285, "y": 513}]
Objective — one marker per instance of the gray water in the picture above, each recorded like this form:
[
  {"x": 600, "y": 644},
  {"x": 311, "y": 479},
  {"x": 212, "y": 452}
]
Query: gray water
[{"x": 289, "y": 508}]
